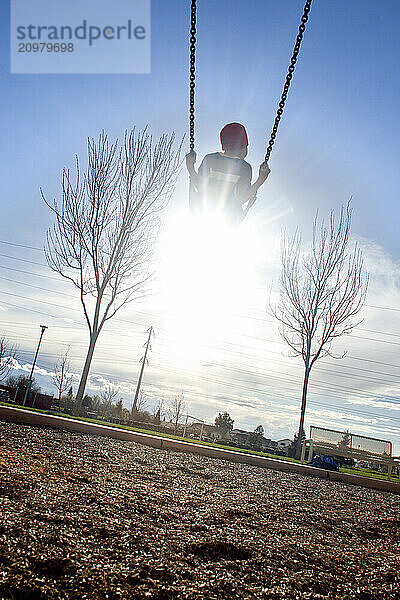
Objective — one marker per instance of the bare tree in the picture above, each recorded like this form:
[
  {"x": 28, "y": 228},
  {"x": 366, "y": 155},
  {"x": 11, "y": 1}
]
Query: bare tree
[
  {"x": 176, "y": 409},
  {"x": 107, "y": 396},
  {"x": 109, "y": 393},
  {"x": 96, "y": 403},
  {"x": 321, "y": 293},
  {"x": 62, "y": 379},
  {"x": 106, "y": 226},
  {"x": 21, "y": 382},
  {"x": 141, "y": 404},
  {"x": 159, "y": 410},
  {"x": 8, "y": 354}
]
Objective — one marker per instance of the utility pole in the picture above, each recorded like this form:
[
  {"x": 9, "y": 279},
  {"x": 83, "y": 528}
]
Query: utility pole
[
  {"x": 28, "y": 387},
  {"x": 143, "y": 360}
]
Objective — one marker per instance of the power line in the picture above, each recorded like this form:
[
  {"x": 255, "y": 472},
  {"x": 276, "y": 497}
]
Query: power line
[
  {"x": 21, "y": 245},
  {"x": 375, "y": 306},
  {"x": 325, "y": 386},
  {"x": 382, "y": 307},
  {"x": 31, "y": 262},
  {"x": 29, "y": 273},
  {"x": 232, "y": 366},
  {"x": 257, "y": 374},
  {"x": 377, "y": 362},
  {"x": 39, "y": 301},
  {"x": 224, "y": 349},
  {"x": 30, "y": 310},
  {"x": 37, "y": 287},
  {"x": 134, "y": 323},
  {"x": 342, "y": 409},
  {"x": 215, "y": 346},
  {"x": 256, "y": 390},
  {"x": 225, "y": 312}
]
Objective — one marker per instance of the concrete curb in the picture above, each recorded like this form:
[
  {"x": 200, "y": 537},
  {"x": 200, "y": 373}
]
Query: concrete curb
[{"x": 19, "y": 415}]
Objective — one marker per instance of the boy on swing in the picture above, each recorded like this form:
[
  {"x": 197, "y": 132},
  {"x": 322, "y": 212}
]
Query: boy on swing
[{"x": 223, "y": 182}]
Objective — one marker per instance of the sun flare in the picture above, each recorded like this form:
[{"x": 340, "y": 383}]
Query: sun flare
[{"x": 208, "y": 270}]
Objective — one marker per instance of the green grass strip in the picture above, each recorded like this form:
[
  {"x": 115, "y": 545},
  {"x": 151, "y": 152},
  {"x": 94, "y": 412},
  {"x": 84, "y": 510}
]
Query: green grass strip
[{"x": 351, "y": 470}]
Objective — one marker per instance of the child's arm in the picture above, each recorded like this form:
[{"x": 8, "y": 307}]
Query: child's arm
[
  {"x": 190, "y": 161},
  {"x": 263, "y": 173}
]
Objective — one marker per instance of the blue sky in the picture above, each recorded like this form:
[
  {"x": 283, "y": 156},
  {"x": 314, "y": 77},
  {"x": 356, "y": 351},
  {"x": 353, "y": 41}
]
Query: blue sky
[{"x": 338, "y": 137}]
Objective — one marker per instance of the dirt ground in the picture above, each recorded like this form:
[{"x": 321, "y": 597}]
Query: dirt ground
[{"x": 83, "y": 517}]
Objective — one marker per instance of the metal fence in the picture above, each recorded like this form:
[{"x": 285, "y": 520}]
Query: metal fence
[{"x": 343, "y": 440}]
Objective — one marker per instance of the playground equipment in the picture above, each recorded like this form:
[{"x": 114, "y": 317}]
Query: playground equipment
[
  {"x": 281, "y": 105},
  {"x": 194, "y": 420},
  {"x": 349, "y": 445}
]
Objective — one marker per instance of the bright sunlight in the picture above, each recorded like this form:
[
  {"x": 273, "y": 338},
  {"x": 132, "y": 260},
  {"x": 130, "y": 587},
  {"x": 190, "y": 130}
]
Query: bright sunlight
[{"x": 208, "y": 271}]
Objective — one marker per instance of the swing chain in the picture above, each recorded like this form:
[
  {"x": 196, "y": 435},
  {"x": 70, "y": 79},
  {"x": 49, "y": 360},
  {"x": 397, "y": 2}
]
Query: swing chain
[
  {"x": 288, "y": 80},
  {"x": 192, "y": 72}
]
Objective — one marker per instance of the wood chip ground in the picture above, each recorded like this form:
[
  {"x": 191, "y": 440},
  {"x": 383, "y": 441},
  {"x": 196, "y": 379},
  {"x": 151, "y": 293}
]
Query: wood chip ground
[{"x": 84, "y": 517}]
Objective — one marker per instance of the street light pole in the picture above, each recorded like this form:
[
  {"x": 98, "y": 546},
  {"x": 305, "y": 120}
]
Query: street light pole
[{"x": 28, "y": 387}]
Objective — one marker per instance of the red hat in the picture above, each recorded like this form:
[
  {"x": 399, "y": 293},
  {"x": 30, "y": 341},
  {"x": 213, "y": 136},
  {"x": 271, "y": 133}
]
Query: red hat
[{"x": 233, "y": 134}]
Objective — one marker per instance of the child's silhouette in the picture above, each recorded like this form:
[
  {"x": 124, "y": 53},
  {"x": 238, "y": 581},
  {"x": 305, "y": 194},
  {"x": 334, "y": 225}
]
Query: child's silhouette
[{"x": 223, "y": 181}]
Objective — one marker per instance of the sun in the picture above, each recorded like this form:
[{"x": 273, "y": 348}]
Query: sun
[{"x": 207, "y": 272}]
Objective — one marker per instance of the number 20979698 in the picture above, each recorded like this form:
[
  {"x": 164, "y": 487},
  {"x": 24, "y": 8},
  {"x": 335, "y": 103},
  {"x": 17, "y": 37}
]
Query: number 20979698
[{"x": 45, "y": 47}]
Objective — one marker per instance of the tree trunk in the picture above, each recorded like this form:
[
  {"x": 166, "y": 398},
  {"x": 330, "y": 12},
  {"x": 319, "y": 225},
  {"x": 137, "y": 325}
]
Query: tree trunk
[
  {"x": 302, "y": 411},
  {"x": 85, "y": 373}
]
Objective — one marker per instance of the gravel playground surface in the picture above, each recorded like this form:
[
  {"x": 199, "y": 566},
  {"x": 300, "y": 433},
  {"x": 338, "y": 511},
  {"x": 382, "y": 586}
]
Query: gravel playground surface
[{"x": 84, "y": 517}]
